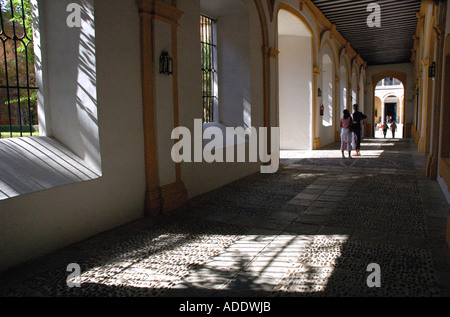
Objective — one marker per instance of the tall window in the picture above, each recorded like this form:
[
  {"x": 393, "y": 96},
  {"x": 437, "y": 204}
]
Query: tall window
[
  {"x": 18, "y": 91},
  {"x": 209, "y": 67}
]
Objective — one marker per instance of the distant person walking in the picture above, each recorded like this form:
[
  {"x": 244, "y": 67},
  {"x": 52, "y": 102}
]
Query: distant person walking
[
  {"x": 357, "y": 118},
  {"x": 385, "y": 128},
  {"x": 346, "y": 135},
  {"x": 393, "y": 129}
]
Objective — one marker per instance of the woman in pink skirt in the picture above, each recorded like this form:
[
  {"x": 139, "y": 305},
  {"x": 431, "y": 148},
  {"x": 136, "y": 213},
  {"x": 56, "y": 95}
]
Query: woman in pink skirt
[{"x": 346, "y": 135}]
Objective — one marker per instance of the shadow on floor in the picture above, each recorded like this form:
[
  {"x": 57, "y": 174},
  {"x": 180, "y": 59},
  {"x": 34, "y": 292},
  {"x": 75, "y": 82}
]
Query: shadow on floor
[{"x": 310, "y": 230}]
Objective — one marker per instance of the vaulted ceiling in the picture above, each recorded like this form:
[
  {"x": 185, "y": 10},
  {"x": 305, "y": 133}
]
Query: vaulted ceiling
[{"x": 391, "y": 43}]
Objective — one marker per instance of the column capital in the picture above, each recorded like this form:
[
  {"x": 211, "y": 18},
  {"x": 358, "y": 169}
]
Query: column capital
[
  {"x": 301, "y": 5},
  {"x": 160, "y": 11},
  {"x": 271, "y": 52}
]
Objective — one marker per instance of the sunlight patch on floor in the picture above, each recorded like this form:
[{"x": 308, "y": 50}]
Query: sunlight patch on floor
[
  {"x": 332, "y": 153},
  {"x": 256, "y": 262}
]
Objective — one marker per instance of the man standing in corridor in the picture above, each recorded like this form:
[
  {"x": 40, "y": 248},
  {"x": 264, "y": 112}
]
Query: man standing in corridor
[{"x": 357, "y": 118}]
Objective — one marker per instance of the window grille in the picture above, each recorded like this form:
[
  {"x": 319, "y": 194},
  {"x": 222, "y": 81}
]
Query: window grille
[
  {"x": 18, "y": 90},
  {"x": 209, "y": 67}
]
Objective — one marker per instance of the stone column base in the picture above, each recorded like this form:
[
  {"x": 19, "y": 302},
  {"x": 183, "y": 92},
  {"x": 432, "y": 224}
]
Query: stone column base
[
  {"x": 368, "y": 130},
  {"x": 165, "y": 199},
  {"x": 421, "y": 145},
  {"x": 432, "y": 167},
  {"x": 173, "y": 196},
  {"x": 152, "y": 203},
  {"x": 407, "y": 130},
  {"x": 418, "y": 139},
  {"x": 337, "y": 136},
  {"x": 317, "y": 144}
]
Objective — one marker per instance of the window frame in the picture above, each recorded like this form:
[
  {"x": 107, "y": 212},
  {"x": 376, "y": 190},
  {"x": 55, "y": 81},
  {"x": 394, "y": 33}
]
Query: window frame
[
  {"x": 75, "y": 159},
  {"x": 209, "y": 67},
  {"x": 18, "y": 35}
]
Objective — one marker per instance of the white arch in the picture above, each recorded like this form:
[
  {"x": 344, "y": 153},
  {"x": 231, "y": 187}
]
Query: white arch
[
  {"x": 327, "y": 121},
  {"x": 295, "y": 64}
]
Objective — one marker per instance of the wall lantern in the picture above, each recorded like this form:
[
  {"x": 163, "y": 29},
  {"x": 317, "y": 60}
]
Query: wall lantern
[
  {"x": 320, "y": 93},
  {"x": 432, "y": 70},
  {"x": 165, "y": 64}
]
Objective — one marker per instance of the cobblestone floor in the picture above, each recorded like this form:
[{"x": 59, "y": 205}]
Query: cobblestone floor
[{"x": 312, "y": 229}]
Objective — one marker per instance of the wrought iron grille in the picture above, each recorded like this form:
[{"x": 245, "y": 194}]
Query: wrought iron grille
[
  {"x": 209, "y": 66},
  {"x": 18, "y": 90}
]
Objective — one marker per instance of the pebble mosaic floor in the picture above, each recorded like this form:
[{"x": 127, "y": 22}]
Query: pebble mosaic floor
[{"x": 312, "y": 229}]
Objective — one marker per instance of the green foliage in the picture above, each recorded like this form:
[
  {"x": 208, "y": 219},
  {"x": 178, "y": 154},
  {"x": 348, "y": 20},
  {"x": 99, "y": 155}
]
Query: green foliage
[
  {"x": 16, "y": 128},
  {"x": 24, "y": 100},
  {"x": 21, "y": 15},
  {"x": 5, "y": 130},
  {"x": 17, "y": 15},
  {"x": 6, "y": 133},
  {"x": 27, "y": 105}
]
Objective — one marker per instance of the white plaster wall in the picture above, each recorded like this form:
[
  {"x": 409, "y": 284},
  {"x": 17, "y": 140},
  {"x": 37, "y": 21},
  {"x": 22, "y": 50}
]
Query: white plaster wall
[
  {"x": 234, "y": 63},
  {"x": 203, "y": 177},
  {"x": 327, "y": 122},
  {"x": 40, "y": 223},
  {"x": 295, "y": 92},
  {"x": 72, "y": 78}
]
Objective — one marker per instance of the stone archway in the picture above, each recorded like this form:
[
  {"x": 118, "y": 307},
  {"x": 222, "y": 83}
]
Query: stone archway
[
  {"x": 376, "y": 78},
  {"x": 295, "y": 82}
]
